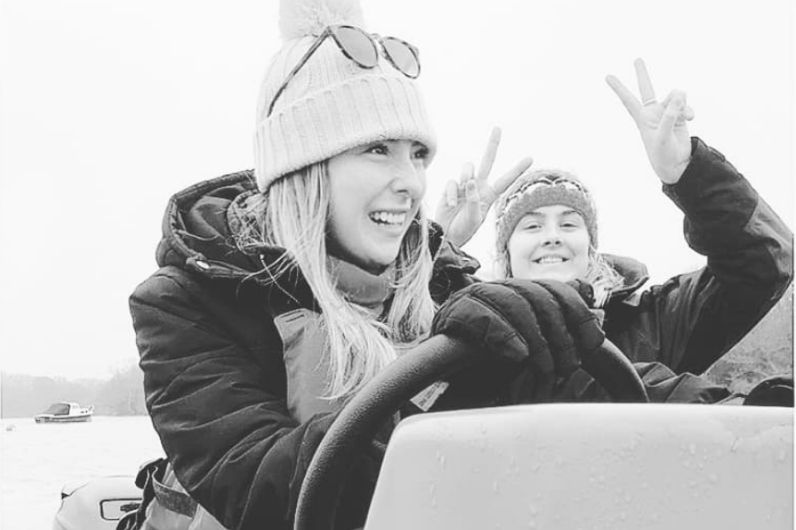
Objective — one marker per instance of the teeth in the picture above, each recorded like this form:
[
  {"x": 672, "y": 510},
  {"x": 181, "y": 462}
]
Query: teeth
[
  {"x": 388, "y": 218},
  {"x": 550, "y": 259}
]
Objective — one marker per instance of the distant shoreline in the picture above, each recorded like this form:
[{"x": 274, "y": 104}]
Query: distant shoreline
[{"x": 25, "y": 418}]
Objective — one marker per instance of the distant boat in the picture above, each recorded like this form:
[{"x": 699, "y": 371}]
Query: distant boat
[{"x": 65, "y": 412}]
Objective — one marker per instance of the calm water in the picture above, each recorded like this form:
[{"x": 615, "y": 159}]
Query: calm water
[{"x": 37, "y": 459}]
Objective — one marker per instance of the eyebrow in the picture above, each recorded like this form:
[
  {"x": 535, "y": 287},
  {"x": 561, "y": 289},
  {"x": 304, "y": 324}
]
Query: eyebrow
[
  {"x": 415, "y": 143},
  {"x": 534, "y": 213}
]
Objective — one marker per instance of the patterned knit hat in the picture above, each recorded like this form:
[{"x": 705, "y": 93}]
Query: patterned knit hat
[
  {"x": 543, "y": 187},
  {"x": 332, "y": 104}
]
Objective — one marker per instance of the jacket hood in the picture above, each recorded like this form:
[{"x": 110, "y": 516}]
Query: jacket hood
[
  {"x": 200, "y": 224},
  {"x": 196, "y": 229}
]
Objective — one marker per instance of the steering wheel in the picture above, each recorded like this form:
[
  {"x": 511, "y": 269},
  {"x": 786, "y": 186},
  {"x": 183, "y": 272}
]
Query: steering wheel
[{"x": 434, "y": 359}]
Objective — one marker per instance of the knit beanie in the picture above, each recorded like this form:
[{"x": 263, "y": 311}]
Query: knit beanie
[
  {"x": 543, "y": 187},
  {"x": 332, "y": 104}
]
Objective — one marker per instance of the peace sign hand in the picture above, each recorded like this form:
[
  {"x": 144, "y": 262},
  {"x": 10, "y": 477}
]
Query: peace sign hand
[
  {"x": 662, "y": 125},
  {"x": 463, "y": 207}
]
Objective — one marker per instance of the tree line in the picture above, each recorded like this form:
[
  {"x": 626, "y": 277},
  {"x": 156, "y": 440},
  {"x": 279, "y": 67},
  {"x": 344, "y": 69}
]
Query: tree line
[{"x": 27, "y": 395}]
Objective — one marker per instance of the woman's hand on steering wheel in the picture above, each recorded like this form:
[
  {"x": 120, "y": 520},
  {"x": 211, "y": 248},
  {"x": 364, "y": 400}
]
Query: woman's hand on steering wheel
[{"x": 535, "y": 334}]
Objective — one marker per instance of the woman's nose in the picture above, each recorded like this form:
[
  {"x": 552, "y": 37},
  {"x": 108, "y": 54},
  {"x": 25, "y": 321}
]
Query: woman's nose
[
  {"x": 409, "y": 179},
  {"x": 551, "y": 235}
]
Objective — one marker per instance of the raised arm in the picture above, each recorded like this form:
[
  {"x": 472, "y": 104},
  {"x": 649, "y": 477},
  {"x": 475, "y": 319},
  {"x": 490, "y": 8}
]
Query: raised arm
[{"x": 693, "y": 319}]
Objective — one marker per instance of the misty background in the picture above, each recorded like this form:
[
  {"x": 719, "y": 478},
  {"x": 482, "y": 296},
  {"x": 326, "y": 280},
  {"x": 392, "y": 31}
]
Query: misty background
[{"x": 109, "y": 107}]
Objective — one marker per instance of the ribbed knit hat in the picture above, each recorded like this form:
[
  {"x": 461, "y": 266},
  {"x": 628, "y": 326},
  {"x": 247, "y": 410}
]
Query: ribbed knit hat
[
  {"x": 543, "y": 187},
  {"x": 332, "y": 104}
]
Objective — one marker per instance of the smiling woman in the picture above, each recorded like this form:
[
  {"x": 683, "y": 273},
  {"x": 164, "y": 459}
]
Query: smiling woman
[
  {"x": 355, "y": 217},
  {"x": 547, "y": 229},
  {"x": 284, "y": 290}
]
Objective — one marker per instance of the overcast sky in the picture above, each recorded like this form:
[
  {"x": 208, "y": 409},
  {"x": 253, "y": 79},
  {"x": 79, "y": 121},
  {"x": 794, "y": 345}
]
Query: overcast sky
[{"x": 107, "y": 107}]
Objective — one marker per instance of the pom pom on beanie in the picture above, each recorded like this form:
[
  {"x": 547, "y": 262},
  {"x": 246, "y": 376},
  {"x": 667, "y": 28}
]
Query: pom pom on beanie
[{"x": 305, "y": 18}]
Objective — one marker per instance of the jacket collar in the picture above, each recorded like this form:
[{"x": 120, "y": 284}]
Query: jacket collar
[{"x": 633, "y": 271}]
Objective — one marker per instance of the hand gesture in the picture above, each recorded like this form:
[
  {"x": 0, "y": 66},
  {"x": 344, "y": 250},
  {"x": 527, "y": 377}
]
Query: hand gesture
[
  {"x": 464, "y": 205},
  {"x": 662, "y": 124}
]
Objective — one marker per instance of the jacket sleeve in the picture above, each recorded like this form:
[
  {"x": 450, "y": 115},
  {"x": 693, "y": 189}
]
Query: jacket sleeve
[
  {"x": 696, "y": 318},
  {"x": 661, "y": 383},
  {"x": 220, "y": 411}
]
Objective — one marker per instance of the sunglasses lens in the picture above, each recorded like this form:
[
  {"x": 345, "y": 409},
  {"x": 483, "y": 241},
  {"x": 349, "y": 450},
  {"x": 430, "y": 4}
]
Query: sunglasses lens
[
  {"x": 357, "y": 45},
  {"x": 402, "y": 56}
]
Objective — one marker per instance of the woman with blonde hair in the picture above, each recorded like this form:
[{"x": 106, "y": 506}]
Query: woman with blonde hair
[{"x": 282, "y": 291}]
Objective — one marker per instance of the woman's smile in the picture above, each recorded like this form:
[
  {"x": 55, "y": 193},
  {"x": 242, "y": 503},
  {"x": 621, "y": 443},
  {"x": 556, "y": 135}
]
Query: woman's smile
[
  {"x": 550, "y": 259},
  {"x": 391, "y": 222},
  {"x": 388, "y": 218}
]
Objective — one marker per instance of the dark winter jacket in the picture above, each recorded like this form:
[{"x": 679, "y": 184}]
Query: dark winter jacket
[
  {"x": 212, "y": 355},
  {"x": 693, "y": 319},
  {"x": 690, "y": 321},
  {"x": 212, "y": 358}
]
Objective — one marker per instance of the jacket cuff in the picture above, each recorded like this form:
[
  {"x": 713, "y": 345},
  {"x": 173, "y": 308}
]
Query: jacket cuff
[{"x": 709, "y": 173}]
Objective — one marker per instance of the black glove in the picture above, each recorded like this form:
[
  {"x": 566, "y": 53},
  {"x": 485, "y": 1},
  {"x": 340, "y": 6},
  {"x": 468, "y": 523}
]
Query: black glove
[
  {"x": 534, "y": 333},
  {"x": 775, "y": 391}
]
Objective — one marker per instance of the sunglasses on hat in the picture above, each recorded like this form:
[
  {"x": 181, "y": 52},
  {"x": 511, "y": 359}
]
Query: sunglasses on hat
[{"x": 361, "y": 47}]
